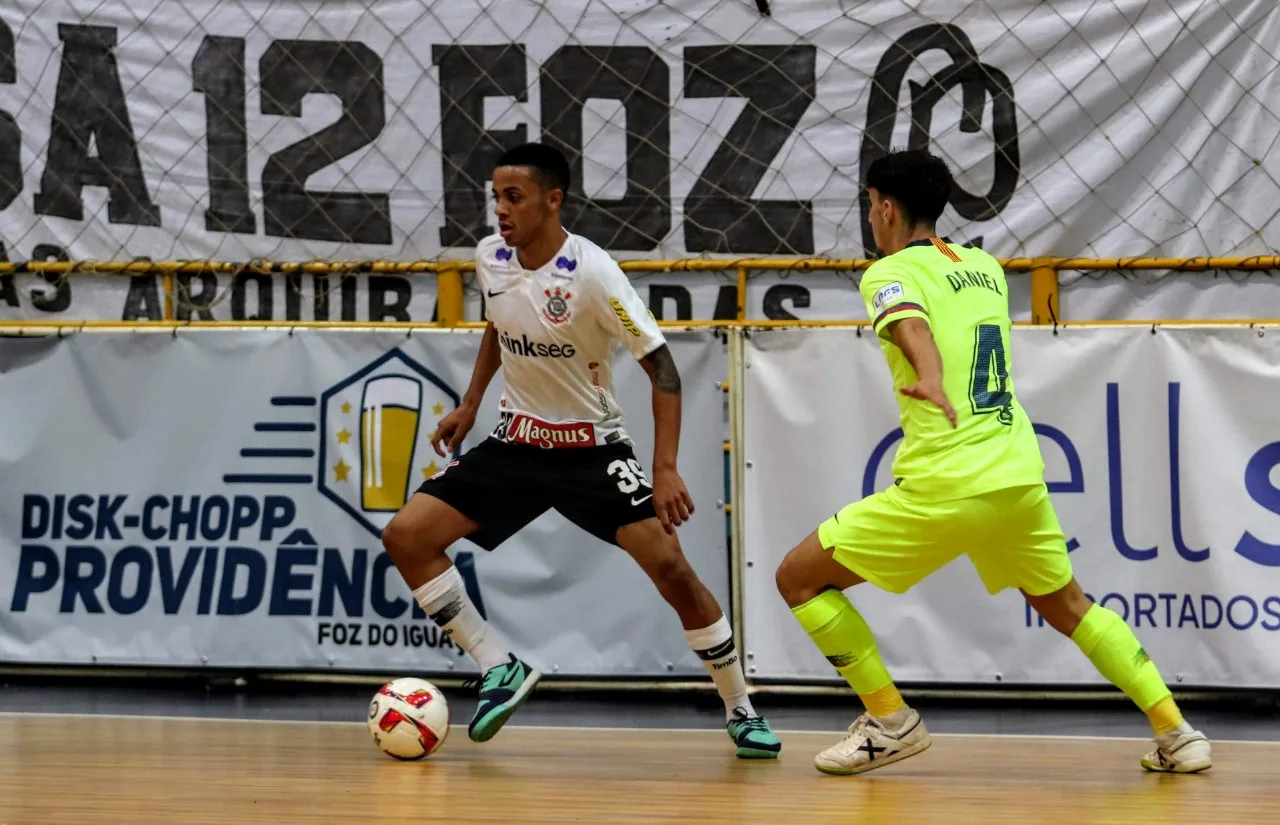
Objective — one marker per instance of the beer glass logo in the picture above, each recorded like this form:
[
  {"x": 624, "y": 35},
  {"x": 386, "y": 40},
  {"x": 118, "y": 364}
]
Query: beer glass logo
[
  {"x": 389, "y": 415},
  {"x": 375, "y": 437}
]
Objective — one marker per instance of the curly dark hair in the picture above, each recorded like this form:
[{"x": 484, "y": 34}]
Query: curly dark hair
[
  {"x": 547, "y": 163},
  {"x": 917, "y": 180}
]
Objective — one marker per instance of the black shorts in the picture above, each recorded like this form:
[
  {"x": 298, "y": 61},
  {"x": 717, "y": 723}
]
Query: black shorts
[{"x": 502, "y": 487}]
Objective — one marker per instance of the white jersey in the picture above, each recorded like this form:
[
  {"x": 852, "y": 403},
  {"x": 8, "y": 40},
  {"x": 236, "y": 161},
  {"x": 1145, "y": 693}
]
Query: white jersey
[{"x": 559, "y": 327}]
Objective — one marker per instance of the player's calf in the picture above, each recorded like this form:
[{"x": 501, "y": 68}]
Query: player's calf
[
  {"x": 1115, "y": 651},
  {"x": 663, "y": 561},
  {"x": 416, "y": 540},
  {"x": 813, "y": 583},
  {"x": 706, "y": 629}
]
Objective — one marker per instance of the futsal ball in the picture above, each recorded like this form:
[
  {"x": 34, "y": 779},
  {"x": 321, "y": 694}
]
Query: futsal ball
[{"x": 409, "y": 718}]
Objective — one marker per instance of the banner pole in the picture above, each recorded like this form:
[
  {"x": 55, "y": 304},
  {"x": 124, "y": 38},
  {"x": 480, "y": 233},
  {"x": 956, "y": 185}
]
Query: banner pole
[{"x": 737, "y": 562}]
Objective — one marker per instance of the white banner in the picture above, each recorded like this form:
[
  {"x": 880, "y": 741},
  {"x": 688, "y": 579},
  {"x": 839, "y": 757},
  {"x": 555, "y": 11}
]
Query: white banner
[
  {"x": 1161, "y": 450},
  {"x": 234, "y": 130},
  {"x": 197, "y": 500},
  {"x": 242, "y": 129},
  {"x": 671, "y": 296}
]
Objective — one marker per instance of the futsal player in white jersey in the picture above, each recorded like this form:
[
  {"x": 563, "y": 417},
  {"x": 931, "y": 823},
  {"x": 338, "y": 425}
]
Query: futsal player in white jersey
[{"x": 557, "y": 307}]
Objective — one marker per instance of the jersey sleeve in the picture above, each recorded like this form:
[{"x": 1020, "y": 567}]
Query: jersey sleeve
[
  {"x": 622, "y": 313},
  {"x": 484, "y": 279},
  {"x": 891, "y": 294}
]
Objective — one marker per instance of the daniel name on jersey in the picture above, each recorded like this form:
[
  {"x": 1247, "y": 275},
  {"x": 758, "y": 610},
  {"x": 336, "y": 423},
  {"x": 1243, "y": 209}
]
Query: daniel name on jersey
[{"x": 558, "y": 327}]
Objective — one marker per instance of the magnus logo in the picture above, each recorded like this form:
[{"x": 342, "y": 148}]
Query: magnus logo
[
  {"x": 519, "y": 428},
  {"x": 535, "y": 349}
]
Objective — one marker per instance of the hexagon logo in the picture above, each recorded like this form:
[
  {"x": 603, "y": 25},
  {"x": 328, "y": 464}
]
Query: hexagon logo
[{"x": 375, "y": 437}]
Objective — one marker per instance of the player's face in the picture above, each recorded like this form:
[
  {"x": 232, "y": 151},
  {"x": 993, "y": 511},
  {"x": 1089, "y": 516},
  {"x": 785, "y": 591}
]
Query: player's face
[
  {"x": 881, "y": 218},
  {"x": 523, "y": 207}
]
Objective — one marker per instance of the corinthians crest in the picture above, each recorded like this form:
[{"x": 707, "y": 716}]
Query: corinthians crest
[{"x": 557, "y": 309}]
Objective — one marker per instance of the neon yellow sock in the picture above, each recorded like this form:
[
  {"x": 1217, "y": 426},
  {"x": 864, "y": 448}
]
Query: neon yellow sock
[
  {"x": 1165, "y": 716},
  {"x": 842, "y": 635},
  {"x": 1118, "y": 655},
  {"x": 884, "y": 702}
]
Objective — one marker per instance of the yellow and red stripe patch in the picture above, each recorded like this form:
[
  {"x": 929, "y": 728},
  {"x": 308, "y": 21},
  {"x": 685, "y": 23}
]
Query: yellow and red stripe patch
[{"x": 942, "y": 247}]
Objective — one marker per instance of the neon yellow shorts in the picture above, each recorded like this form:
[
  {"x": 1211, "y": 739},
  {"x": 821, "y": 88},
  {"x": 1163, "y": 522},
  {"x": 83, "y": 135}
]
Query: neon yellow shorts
[{"x": 1011, "y": 536}]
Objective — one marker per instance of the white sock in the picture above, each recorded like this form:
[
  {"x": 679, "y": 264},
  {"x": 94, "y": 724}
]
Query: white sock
[
  {"x": 1180, "y": 730},
  {"x": 714, "y": 646},
  {"x": 444, "y": 599},
  {"x": 897, "y": 719}
]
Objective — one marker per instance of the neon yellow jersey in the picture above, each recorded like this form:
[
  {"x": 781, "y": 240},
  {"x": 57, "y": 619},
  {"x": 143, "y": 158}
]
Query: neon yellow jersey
[{"x": 963, "y": 295}]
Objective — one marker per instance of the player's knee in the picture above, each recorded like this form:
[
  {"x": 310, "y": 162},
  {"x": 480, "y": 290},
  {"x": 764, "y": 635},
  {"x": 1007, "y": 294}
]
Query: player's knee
[
  {"x": 397, "y": 538},
  {"x": 673, "y": 576},
  {"x": 791, "y": 580},
  {"x": 1062, "y": 609},
  {"x": 674, "y": 571},
  {"x": 404, "y": 538}
]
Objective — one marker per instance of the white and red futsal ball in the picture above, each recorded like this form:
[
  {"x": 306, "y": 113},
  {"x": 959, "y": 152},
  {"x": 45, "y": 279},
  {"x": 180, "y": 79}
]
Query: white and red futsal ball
[{"x": 409, "y": 718}]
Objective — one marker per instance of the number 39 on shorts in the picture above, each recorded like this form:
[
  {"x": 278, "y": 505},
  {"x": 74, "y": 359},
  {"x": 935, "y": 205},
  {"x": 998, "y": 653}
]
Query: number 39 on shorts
[{"x": 629, "y": 473}]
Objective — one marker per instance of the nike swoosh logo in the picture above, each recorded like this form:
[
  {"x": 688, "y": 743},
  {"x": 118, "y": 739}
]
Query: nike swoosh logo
[
  {"x": 493, "y": 294},
  {"x": 510, "y": 678},
  {"x": 638, "y": 501}
]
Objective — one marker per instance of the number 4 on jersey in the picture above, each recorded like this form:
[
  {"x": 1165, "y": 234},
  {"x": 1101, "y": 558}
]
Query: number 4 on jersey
[{"x": 986, "y": 395}]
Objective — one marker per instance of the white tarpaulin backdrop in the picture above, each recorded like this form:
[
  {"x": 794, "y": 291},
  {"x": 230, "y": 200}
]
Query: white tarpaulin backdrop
[
  {"x": 242, "y": 129},
  {"x": 203, "y": 499},
  {"x": 1161, "y": 449}
]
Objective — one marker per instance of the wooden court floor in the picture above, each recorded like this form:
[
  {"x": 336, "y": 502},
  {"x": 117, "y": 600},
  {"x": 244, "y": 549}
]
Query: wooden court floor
[{"x": 68, "y": 769}]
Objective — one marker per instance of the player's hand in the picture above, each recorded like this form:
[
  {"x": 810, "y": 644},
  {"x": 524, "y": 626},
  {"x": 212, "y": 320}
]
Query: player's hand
[
  {"x": 452, "y": 429},
  {"x": 931, "y": 391},
  {"x": 671, "y": 499}
]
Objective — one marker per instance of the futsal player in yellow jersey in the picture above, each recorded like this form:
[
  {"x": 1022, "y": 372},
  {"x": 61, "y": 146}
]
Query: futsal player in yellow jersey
[{"x": 969, "y": 480}]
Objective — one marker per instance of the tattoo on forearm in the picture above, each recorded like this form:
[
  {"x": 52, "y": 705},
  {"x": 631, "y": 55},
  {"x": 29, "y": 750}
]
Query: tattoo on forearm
[{"x": 663, "y": 370}]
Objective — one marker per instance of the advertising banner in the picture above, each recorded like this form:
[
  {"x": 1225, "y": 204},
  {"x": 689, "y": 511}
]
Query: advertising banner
[
  {"x": 1161, "y": 448},
  {"x": 215, "y": 498}
]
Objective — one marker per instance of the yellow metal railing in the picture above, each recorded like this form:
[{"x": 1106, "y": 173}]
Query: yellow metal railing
[{"x": 1043, "y": 272}]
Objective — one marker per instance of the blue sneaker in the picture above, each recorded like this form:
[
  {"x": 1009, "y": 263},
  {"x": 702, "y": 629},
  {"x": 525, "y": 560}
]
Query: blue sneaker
[
  {"x": 753, "y": 736},
  {"x": 502, "y": 690}
]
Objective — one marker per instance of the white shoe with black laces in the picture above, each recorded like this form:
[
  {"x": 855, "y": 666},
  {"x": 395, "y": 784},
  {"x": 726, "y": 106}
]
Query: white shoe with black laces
[
  {"x": 873, "y": 743},
  {"x": 1182, "y": 750}
]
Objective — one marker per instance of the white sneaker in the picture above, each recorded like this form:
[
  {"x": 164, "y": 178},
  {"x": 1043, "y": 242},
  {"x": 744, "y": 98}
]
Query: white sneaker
[
  {"x": 872, "y": 744},
  {"x": 1180, "y": 751}
]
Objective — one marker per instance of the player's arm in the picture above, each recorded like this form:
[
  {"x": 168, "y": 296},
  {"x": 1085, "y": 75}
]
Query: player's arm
[
  {"x": 899, "y": 313},
  {"x": 488, "y": 360},
  {"x": 628, "y": 319},
  {"x": 455, "y": 426},
  {"x": 665, "y": 378},
  {"x": 915, "y": 339},
  {"x": 671, "y": 499}
]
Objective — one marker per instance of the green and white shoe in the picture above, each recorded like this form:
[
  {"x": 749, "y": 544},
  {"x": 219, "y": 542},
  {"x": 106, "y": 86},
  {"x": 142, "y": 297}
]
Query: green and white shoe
[
  {"x": 753, "y": 736},
  {"x": 502, "y": 690}
]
